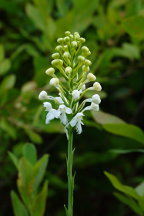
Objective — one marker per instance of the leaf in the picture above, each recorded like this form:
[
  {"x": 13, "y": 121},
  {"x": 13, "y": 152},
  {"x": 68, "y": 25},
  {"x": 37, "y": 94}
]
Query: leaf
[
  {"x": 18, "y": 207},
  {"x": 106, "y": 118},
  {"x": 4, "y": 66},
  {"x": 134, "y": 26},
  {"x": 1, "y": 52},
  {"x": 126, "y": 130},
  {"x": 140, "y": 189},
  {"x": 14, "y": 159},
  {"x": 39, "y": 204},
  {"x": 130, "y": 202},
  {"x": 30, "y": 153},
  {"x": 39, "y": 171},
  {"x": 123, "y": 188},
  {"x": 34, "y": 137},
  {"x": 8, "y": 128},
  {"x": 8, "y": 82}
]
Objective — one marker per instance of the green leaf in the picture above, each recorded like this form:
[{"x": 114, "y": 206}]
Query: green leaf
[
  {"x": 18, "y": 207},
  {"x": 8, "y": 128},
  {"x": 8, "y": 82},
  {"x": 34, "y": 137},
  {"x": 39, "y": 171},
  {"x": 123, "y": 188},
  {"x": 14, "y": 159},
  {"x": 30, "y": 153},
  {"x": 25, "y": 170},
  {"x": 38, "y": 207},
  {"x": 134, "y": 26},
  {"x": 130, "y": 202},
  {"x": 106, "y": 118},
  {"x": 126, "y": 130},
  {"x": 4, "y": 66},
  {"x": 2, "y": 54}
]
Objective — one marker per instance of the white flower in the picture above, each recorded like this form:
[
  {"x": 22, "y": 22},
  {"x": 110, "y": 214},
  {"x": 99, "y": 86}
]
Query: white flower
[
  {"x": 58, "y": 100},
  {"x": 92, "y": 107},
  {"x": 43, "y": 95},
  {"x": 63, "y": 111},
  {"x": 52, "y": 113},
  {"x": 77, "y": 122},
  {"x": 96, "y": 99},
  {"x": 76, "y": 94}
]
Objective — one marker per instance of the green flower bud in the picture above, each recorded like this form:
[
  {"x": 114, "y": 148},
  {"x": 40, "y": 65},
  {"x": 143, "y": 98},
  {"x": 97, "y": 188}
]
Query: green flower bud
[
  {"x": 59, "y": 48},
  {"x": 65, "y": 47},
  {"x": 87, "y": 62},
  {"x": 66, "y": 55},
  {"x": 91, "y": 77},
  {"x": 85, "y": 68},
  {"x": 97, "y": 86},
  {"x": 60, "y": 40},
  {"x": 50, "y": 71},
  {"x": 68, "y": 70},
  {"x": 57, "y": 63},
  {"x": 76, "y": 35},
  {"x": 81, "y": 58},
  {"x": 67, "y": 33},
  {"x": 66, "y": 39},
  {"x": 74, "y": 44},
  {"x": 82, "y": 40},
  {"x": 85, "y": 51},
  {"x": 55, "y": 55}
]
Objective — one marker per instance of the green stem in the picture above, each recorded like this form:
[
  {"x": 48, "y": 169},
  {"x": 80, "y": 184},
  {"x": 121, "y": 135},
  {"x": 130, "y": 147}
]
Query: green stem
[{"x": 70, "y": 173}]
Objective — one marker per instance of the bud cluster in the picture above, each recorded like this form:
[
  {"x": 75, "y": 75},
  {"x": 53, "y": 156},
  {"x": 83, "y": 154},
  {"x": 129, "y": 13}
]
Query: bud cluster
[{"x": 70, "y": 74}]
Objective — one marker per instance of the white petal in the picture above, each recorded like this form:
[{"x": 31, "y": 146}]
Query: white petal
[
  {"x": 78, "y": 128},
  {"x": 56, "y": 113},
  {"x": 68, "y": 110},
  {"x": 59, "y": 100},
  {"x": 47, "y": 105},
  {"x": 63, "y": 118},
  {"x": 73, "y": 122},
  {"x": 49, "y": 117},
  {"x": 43, "y": 95}
]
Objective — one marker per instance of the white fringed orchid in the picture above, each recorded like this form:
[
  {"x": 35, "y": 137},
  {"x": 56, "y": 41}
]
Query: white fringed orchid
[{"x": 73, "y": 65}]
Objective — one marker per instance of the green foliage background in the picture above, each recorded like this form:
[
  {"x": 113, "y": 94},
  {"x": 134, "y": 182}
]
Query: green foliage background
[{"x": 112, "y": 139}]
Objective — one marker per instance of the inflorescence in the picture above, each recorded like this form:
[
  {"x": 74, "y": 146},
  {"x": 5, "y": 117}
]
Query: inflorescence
[{"x": 70, "y": 59}]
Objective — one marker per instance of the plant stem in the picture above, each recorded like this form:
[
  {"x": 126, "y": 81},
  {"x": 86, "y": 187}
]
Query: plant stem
[{"x": 70, "y": 173}]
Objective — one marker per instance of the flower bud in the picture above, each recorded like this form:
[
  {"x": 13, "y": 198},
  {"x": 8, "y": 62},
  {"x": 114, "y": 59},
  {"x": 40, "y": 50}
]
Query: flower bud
[
  {"x": 67, "y": 33},
  {"x": 76, "y": 94},
  {"x": 85, "y": 68},
  {"x": 60, "y": 40},
  {"x": 50, "y": 71},
  {"x": 83, "y": 87},
  {"x": 54, "y": 81},
  {"x": 47, "y": 105},
  {"x": 66, "y": 55},
  {"x": 82, "y": 40},
  {"x": 87, "y": 62},
  {"x": 74, "y": 44},
  {"x": 76, "y": 35},
  {"x": 81, "y": 58},
  {"x": 59, "y": 48},
  {"x": 97, "y": 86},
  {"x": 43, "y": 95},
  {"x": 91, "y": 77},
  {"x": 66, "y": 48},
  {"x": 57, "y": 62},
  {"x": 96, "y": 99},
  {"x": 68, "y": 70},
  {"x": 66, "y": 39},
  {"x": 85, "y": 51},
  {"x": 55, "y": 55}
]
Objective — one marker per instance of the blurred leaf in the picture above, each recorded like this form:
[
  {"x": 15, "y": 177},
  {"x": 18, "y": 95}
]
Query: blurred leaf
[
  {"x": 1, "y": 53},
  {"x": 106, "y": 118},
  {"x": 123, "y": 188},
  {"x": 4, "y": 66},
  {"x": 126, "y": 130},
  {"x": 14, "y": 159},
  {"x": 134, "y": 26},
  {"x": 30, "y": 153},
  {"x": 39, "y": 204},
  {"x": 8, "y": 128},
  {"x": 34, "y": 137},
  {"x": 19, "y": 208},
  {"x": 8, "y": 82},
  {"x": 130, "y": 202}
]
